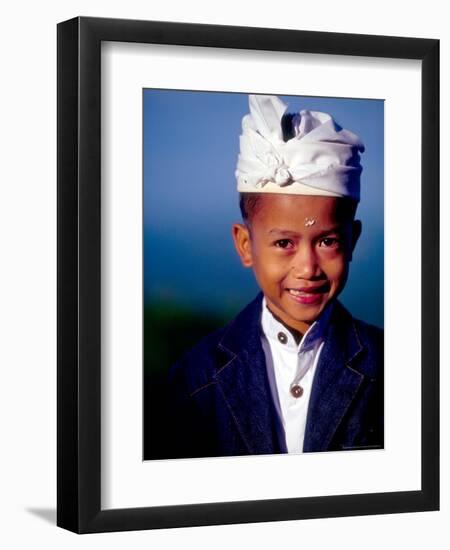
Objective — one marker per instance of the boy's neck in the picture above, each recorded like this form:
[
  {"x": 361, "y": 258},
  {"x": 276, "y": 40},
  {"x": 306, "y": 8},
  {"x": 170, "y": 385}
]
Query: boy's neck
[{"x": 296, "y": 334}]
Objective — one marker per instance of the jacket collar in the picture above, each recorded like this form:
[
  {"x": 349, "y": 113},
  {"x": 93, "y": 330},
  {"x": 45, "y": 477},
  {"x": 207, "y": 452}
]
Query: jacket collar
[{"x": 242, "y": 379}]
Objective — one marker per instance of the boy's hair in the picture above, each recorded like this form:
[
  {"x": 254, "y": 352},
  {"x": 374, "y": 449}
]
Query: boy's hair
[{"x": 248, "y": 204}]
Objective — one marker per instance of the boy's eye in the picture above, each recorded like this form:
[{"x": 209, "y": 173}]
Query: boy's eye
[
  {"x": 329, "y": 242},
  {"x": 284, "y": 243}
]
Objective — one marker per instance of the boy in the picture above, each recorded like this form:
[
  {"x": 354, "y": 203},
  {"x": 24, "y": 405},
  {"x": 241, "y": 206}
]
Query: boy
[{"x": 293, "y": 372}]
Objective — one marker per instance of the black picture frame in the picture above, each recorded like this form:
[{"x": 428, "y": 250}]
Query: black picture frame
[{"x": 79, "y": 275}]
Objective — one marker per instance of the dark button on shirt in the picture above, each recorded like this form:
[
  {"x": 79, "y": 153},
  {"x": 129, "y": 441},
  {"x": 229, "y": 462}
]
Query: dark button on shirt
[
  {"x": 296, "y": 391},
  {"x": 282, "y": 337}
]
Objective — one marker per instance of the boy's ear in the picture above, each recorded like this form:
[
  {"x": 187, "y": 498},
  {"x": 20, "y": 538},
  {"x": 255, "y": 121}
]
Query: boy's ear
[
  {"x": 242, "y": 243},
  {"x": 356, "y": 233}
]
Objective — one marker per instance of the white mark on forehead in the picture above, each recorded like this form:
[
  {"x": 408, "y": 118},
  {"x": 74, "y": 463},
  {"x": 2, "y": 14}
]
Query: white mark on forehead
[{"x": 309, "y": 222}]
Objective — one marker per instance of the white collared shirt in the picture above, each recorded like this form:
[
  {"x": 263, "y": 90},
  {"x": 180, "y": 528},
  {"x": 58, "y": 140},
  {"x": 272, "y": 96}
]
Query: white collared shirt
[{"x": 285, "y": 359}]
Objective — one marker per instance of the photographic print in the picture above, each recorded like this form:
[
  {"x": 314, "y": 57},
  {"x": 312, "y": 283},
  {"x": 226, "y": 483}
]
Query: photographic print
[{"x": 263, "y": 313}]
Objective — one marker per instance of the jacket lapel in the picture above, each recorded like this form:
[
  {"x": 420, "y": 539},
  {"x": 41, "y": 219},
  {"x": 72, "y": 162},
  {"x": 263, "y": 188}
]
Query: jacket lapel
[
  {"x": 335, "y": 384},
  {"x": 244, "y": 384}
]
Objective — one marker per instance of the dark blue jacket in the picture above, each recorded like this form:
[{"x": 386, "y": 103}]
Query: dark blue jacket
[{"x": 220, "y": 402}]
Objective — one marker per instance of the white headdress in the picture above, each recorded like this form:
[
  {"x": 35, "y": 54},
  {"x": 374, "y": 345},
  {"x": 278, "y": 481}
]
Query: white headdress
[{"x": 302, "y": 154}]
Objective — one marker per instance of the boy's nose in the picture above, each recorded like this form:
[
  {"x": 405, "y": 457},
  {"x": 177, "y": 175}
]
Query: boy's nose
[{"x": 305, "y": 265}]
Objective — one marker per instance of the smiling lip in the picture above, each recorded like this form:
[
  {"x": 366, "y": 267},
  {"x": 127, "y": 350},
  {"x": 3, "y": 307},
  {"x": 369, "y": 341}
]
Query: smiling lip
[
  {"x": 309, "y": 289},
  {"x": 307, "y": 295}
]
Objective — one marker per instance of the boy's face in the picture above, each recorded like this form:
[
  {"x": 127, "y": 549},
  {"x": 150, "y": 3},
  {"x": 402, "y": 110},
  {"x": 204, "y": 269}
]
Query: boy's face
[{"x": 299, "y": 248}]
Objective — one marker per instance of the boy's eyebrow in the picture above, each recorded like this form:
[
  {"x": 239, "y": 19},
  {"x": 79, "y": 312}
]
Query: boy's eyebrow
[
  {"x": 322, "y": 231},
  {"x": 278, "y": 231}
]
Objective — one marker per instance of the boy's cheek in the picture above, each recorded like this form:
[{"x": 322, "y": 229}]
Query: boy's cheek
[{"x": 336, "y": 264}]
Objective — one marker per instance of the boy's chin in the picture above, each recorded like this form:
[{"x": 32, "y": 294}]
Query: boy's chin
[
  {"x": 298, "y": 316},
  {"x": 306, "y": 313},
  {"x": 307, "y": 319}
]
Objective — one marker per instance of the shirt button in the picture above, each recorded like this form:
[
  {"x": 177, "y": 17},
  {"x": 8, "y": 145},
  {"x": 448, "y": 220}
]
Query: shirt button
[
  {"x": 297, "y": 391},
  {"x": 282, "y": 337}
]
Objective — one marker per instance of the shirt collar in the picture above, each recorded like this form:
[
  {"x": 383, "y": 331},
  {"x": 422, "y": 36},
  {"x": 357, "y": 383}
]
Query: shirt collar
[{"x": 272, "y": 329}]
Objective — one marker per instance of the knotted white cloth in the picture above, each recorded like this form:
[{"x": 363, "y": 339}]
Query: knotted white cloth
[{"x": 305, "y": 154}]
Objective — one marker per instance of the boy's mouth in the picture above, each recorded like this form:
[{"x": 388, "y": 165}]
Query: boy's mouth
[
  {"x": 308, "y": 291},
  {"x": 308, "y": 295}
]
